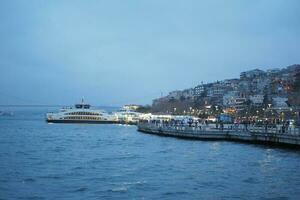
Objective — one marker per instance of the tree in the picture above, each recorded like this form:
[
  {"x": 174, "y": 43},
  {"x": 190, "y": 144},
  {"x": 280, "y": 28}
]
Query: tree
[
  {"x": 266, "y": 101},
  {"x": 294, "y": 95},
  {"x": 296, "y": 85}
]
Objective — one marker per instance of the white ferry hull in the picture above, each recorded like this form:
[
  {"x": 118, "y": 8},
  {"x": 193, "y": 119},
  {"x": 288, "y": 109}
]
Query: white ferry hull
[{"x": 75, "y": 121}]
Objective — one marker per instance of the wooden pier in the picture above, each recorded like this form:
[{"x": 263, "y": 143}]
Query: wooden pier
[{"x": 251, "y": 134}]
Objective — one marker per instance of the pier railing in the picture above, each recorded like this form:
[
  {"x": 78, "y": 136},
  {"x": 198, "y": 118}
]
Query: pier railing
[{"x": 228, "y": 128}]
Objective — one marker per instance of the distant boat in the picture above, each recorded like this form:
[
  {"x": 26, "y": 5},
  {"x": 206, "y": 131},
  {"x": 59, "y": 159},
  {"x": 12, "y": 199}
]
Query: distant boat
[
  {"x": 126, "y": 116},
  {"x": 80, "y": 113}
]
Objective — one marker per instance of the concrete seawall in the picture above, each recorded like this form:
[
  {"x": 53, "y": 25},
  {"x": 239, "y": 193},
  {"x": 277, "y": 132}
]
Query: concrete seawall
[{"x": 252, "y": 135}]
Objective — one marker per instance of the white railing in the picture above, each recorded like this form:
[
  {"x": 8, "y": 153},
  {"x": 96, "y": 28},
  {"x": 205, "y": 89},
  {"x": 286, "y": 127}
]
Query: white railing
[{"x": 228, "y": 128}]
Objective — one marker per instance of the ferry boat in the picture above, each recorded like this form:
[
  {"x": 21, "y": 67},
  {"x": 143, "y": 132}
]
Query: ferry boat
[
  {"x": 125, "y": 116},
  {"x": 81, "y": 113}
]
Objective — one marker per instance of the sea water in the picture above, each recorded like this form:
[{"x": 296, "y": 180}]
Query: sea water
[{"x": 101, "y": 161}]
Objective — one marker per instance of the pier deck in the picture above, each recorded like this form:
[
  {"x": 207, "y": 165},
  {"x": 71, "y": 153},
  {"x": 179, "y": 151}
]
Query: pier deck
[{"x": 252, "y": 134}]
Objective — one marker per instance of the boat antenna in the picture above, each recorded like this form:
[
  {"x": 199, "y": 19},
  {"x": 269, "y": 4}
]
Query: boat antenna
[{"x": 82, "y": 100}]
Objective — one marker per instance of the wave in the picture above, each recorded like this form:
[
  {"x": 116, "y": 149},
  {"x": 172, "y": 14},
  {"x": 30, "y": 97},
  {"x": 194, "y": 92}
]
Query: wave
[
  {"x": 28, "y": 180},
  {"x": 82, "y": 189}
]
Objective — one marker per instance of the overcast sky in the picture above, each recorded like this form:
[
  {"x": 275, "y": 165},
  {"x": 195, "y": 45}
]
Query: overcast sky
[{"x": 116, "y": 52}]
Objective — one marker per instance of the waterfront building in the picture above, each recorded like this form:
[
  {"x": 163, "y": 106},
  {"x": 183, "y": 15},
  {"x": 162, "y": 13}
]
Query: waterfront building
[{"x": 131, "y": 107}]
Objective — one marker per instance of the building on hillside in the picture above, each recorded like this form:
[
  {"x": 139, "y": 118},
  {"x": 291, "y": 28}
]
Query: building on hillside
[
  {"x": 188, "y": 93},
  {"x": 216, "y": 90},
  {"x": 240, "y": 103},
  {"x": 160, "y": 101},
  {"x": 252, "y": 74},
  {"x": 175, "y": 94},
  {"x": 231, "y": 84},
  {"x": 244, "y": 86},
  {"x": 199, "y": 90},
  {"x": 273, "y": 72},
  {"x": 257, "y": 99},
  {"x": 229, "y": 98},
  {"x": 258, "y": 85},
  {"x": 293, "y": 68},
  {"x": 279, "y": 102}
]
